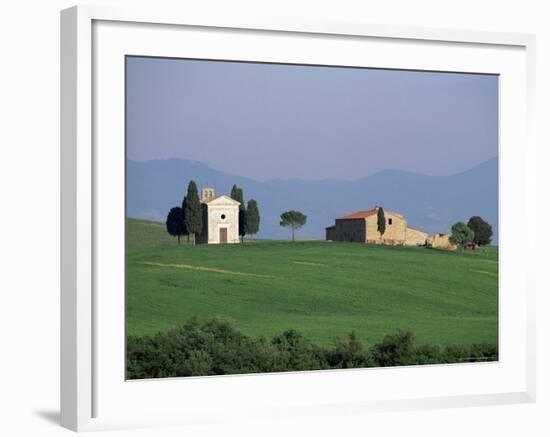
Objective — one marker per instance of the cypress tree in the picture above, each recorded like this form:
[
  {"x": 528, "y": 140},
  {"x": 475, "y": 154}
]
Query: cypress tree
[
  {"x": 237, "y": 194},
  {"x": 185, "y": 231},
  {"x": 252, "y": 217},
  {"x": 381, "y": 221},
  {"x": 243, "y": 229},
  {"x": 193, "y": 211}
]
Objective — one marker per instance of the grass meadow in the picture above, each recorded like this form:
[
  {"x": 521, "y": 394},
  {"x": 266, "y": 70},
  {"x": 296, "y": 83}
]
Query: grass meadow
[{"x": 322, "y": 289}]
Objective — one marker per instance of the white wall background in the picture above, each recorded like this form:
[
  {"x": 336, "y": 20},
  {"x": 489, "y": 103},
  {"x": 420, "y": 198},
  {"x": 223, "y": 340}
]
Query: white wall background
[{"x": 29, "y": 215}]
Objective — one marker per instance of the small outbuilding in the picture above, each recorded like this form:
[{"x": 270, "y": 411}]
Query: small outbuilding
[{"x": 441, "y": 241}]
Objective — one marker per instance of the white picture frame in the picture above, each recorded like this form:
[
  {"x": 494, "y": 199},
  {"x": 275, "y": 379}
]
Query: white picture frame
[{"x": 91, "y": 386}]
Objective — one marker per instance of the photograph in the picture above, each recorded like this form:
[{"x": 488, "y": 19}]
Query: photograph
[{"x": 293, "y": 217}]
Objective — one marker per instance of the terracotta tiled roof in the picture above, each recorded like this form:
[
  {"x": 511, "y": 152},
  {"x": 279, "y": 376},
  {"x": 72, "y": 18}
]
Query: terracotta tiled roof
[
  {"x": 358, "y": 215},
  {"x": 365, "y": 214}
]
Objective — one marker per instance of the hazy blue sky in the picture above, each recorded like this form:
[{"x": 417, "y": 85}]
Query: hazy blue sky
[{"x": 283, "y": 121}]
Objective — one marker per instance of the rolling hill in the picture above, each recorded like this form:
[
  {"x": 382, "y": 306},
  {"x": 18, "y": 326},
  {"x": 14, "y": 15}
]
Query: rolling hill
[{"x": 322, "y": 289}]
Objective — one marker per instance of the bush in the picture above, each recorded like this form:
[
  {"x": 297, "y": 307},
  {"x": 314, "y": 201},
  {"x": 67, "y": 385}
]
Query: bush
[
  {"x": 428, "y": 354},
  {"x": 395, "y": 350},
  {"x": 470, "y": 354},
  {"x": 348, "y": 354},
  {"x": 215, "y": 347},
  {"x": 294, "y": 352}
]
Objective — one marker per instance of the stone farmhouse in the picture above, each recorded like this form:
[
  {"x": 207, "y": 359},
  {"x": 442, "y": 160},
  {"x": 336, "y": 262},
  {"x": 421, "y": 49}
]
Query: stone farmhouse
[
  {"x": 362, "y": 227},
  {"x": 220, "y": 218}
]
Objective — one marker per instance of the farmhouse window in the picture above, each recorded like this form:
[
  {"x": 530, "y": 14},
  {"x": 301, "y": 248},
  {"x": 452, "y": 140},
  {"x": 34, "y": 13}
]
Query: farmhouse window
[{"x": 389, "y": 221}]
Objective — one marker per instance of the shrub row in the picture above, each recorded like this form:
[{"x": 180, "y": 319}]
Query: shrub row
[{"x": 217, "y": 348}]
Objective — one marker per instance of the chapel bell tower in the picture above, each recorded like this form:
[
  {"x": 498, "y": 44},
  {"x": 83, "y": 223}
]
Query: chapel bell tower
[{"x": 207, "y": 194}]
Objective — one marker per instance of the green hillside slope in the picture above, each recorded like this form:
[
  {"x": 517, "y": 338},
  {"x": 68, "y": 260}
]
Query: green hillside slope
[{"x": 323, "y": 289}]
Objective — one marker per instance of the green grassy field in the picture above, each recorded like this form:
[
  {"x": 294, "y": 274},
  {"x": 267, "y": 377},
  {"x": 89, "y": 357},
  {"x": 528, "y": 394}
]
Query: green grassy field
[{"x": 323, "y": 289}]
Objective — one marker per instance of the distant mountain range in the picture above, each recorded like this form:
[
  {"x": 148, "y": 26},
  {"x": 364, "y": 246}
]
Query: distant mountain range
[{"x": 432, "y": 203}]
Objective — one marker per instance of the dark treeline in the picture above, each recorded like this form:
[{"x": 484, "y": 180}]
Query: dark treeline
[{"x": 217, "y": 348}]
